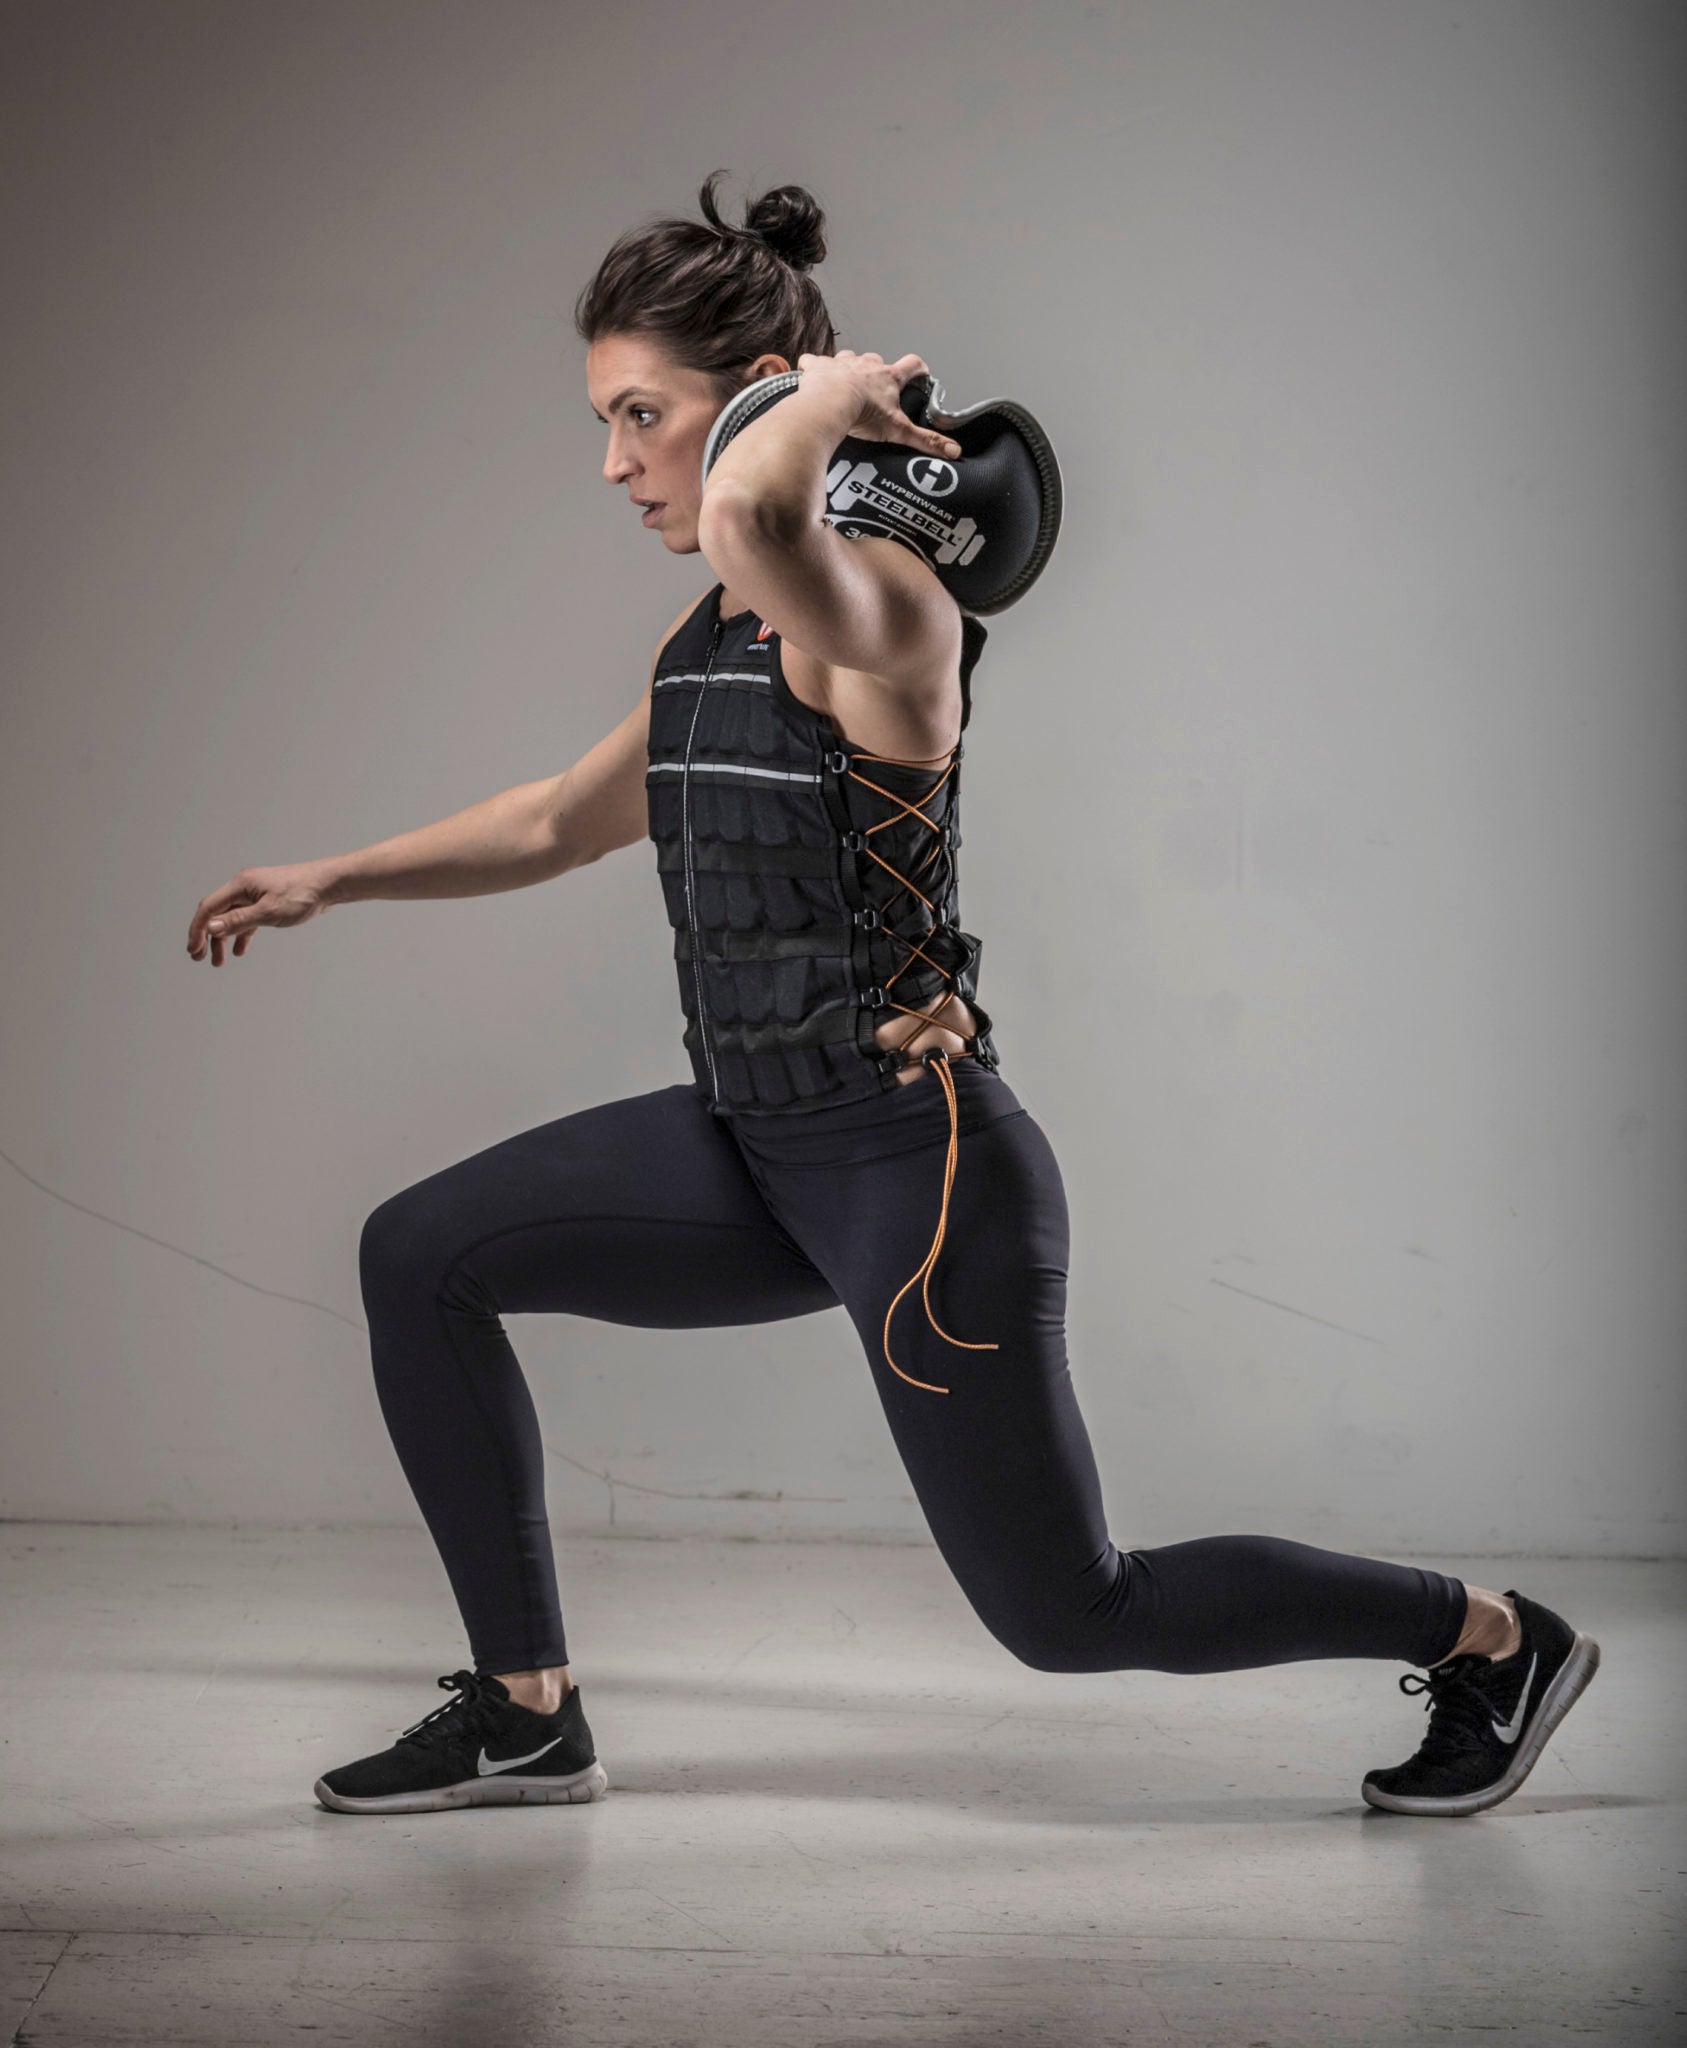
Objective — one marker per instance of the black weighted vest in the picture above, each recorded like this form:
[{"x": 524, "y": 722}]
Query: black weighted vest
[{"x": 809, "y": 896}]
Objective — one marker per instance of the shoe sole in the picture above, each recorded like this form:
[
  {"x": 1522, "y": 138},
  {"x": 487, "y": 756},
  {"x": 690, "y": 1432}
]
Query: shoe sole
[
  {"x": 1569, "y": 1683},
  {"x": 493, "y": 1790}
]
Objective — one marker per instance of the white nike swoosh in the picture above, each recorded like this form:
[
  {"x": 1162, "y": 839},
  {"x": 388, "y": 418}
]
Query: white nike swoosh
[
  {"x": 509, "y": 1763},
  {"x": 1510, "y": 1731}
]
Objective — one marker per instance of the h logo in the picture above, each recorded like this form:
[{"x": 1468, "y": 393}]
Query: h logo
[{"x": 933, "y": 476}]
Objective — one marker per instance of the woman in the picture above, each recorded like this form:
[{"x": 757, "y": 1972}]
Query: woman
[{"x": 795, "y": 758}]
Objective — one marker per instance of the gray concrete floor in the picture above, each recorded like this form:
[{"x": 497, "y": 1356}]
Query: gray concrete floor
[{"x": 840, "y": 1814}]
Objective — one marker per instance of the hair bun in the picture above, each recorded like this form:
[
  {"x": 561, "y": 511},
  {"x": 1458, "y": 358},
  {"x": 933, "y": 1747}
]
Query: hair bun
[{"x": 789, "y": 220}]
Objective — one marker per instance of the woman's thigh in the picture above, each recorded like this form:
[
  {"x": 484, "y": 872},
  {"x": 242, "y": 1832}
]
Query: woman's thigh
[
  {"x": 1001, "y": 1462},
  {"x": 638, "y": 1211}
]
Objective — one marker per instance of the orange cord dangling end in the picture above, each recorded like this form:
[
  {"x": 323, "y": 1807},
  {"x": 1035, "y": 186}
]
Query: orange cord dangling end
[{"x": 936, "y": 1057}]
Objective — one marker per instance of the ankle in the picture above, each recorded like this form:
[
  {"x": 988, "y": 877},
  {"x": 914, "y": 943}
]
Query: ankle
[
  {"x": 540, "y": 1692},
  {"x": 1491, "y": 1627}
]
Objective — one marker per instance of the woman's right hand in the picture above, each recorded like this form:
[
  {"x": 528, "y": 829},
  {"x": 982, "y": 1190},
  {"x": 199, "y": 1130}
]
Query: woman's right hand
[{"x": 279, "y": 896}]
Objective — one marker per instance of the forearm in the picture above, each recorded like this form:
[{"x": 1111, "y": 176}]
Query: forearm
[
  {"x": 506, "y": 842},
  {"x": 776, "y": 468}
]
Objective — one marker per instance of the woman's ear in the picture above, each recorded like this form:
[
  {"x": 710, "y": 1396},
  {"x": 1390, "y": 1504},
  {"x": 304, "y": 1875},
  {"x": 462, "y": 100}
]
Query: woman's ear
[{"x": 766, "y": 366}]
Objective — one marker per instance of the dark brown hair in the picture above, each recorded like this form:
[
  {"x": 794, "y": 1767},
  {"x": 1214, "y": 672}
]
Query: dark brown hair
[{"x": 717, "y": 296}]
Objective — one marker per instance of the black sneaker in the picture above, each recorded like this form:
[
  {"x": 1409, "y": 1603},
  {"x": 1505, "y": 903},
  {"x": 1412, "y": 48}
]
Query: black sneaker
[
  {"x": 480, "y": 1749},
  {"x": 1488, "y": 1718}
]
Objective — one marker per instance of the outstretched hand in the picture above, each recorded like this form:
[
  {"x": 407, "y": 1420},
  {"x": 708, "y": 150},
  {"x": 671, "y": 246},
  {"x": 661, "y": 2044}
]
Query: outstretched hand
[{"x": 231, "y": 915}]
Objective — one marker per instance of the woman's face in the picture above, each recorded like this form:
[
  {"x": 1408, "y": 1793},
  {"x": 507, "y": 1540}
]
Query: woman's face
[{"x": 659, "y": 416}]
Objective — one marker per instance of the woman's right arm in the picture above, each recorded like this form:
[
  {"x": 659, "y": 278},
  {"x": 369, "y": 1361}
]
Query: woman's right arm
[{"x": 530, "y": 833}]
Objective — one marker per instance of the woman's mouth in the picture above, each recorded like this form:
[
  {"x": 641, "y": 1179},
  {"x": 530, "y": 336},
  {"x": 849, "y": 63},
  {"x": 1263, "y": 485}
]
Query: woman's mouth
[{"x": 651, "y": 515}]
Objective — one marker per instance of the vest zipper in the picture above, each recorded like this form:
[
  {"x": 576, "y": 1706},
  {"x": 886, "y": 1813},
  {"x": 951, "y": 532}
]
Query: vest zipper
[{"x": 690, "y": 881}]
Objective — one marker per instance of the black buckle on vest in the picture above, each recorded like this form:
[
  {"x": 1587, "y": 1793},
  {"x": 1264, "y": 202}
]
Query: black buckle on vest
[
  {"x": 853, "y": 841},
  {"x": 889, "y": 1057},
  {"x": 838, "y": 762},
  {"x": 867, "y": 919},
  {"x": 873, "y": 998}
]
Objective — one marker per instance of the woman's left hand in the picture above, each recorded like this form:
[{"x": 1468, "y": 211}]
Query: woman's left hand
[{"x": 869, "y": 392}]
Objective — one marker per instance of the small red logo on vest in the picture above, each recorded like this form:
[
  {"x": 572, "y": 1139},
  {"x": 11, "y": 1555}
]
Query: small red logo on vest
[{"x": 765, "y": 630}]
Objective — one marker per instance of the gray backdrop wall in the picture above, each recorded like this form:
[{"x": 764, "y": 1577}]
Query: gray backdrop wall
[{"x": 1324, "y": 813}]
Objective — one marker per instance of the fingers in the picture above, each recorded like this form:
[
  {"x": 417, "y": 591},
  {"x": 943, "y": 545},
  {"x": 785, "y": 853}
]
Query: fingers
[
  {"x": 235, "y": 927},
  {"x": 926, "y": 439},
  {"x": 216, "y": 938},
  {"x": 216, "y": 905},
  {"x": 216, "y": 924},
  {"x": 908, "y": 365},
  {"x": 894, "y": 424},
  {"x": 225, "y": 941},
  {"x": 898, "y": 427}
]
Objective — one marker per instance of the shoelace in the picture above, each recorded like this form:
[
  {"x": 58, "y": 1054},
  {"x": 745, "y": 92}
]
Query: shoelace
[
  {"x": 935, "y": 1056},
  {"x": 473, "y": 1707},
  {"x": 1460, "y": 1708}
]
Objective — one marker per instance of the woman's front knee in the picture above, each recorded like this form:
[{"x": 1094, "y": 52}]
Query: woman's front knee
[{"x": 402, "y": 1243}]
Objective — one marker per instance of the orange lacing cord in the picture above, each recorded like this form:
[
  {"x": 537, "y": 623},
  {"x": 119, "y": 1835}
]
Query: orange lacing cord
[{"x": 935, "y": 1057}]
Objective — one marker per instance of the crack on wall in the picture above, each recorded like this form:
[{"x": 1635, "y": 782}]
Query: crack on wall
[
  {"x": 1290, "y": 1308},
  {"x": 275, "y": 1293},
  {"x": 612, "y": 1481}
]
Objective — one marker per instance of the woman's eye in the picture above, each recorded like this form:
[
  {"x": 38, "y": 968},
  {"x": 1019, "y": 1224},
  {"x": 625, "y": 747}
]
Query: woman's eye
[{"x": 641, "y": 408}]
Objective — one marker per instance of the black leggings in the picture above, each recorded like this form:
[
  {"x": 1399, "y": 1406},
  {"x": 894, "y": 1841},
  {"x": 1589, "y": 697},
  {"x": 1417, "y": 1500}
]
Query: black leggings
[{"x": 652, "y": 1212}]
